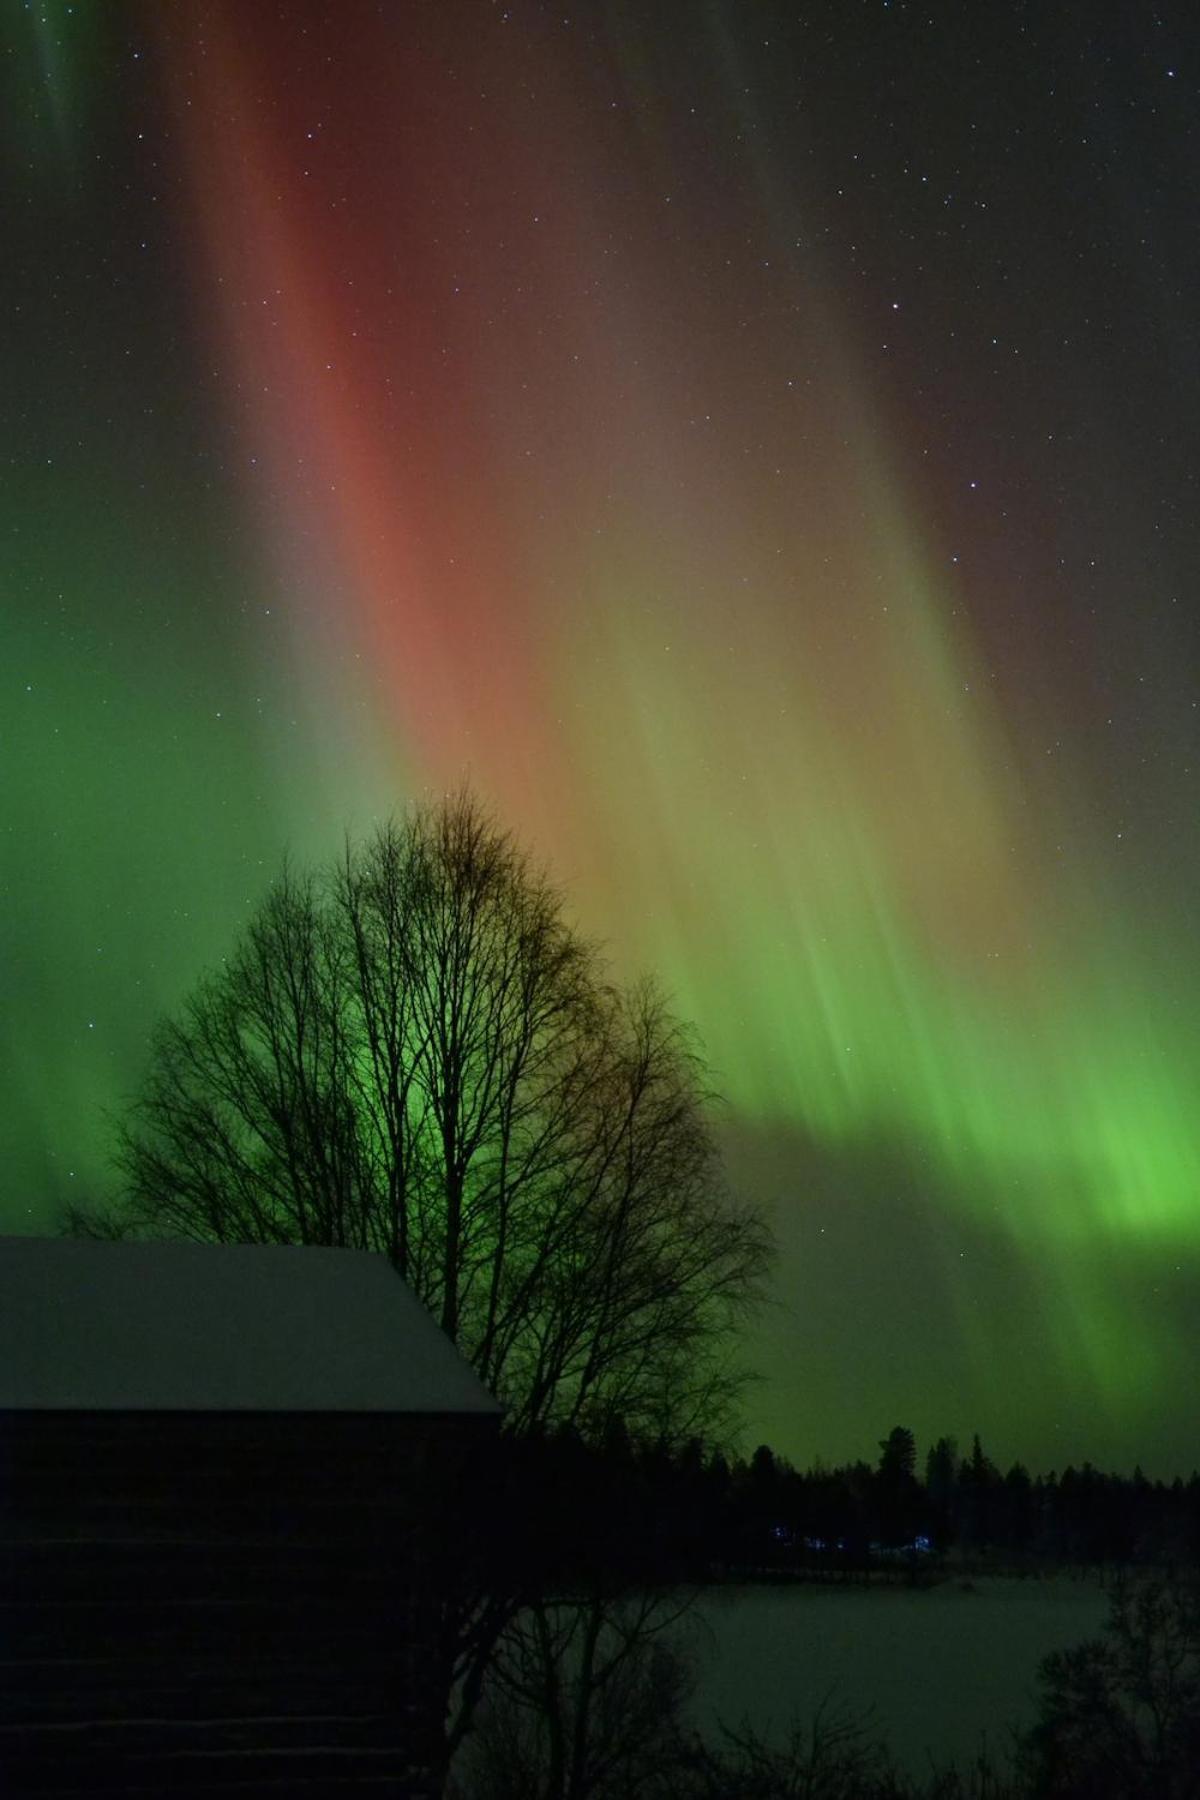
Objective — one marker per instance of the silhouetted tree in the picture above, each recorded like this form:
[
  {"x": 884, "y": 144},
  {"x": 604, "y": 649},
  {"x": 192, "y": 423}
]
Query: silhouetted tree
[
  {"x": 898, "y": 1455},
  {"x": 979, "y": 1482},
  {"x": 764, "y": 1468},
  {"x": 1018, "y": 1511},
  {"x": 414, "y": 1053},
  {"x": 899, "y": 1505},
  {"x": 584, "y": 1700},
  {"x": 941, "y": 1488},
  {"x": 1120, "y": 1715},
  {"x": 941, "y": 1472}
]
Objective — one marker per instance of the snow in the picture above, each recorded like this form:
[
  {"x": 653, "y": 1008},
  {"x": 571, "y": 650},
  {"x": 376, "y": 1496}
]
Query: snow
[
  {"x": 179, "y": 1327},
  {"x": 934, "y": 1669}
]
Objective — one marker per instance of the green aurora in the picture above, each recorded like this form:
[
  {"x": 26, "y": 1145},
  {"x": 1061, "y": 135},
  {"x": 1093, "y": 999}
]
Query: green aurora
[{"x": 780, "y": 502}]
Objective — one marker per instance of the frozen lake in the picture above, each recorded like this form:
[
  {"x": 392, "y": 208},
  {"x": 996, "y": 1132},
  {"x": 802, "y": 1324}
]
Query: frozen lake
[{"x": 938, "y": 1668}]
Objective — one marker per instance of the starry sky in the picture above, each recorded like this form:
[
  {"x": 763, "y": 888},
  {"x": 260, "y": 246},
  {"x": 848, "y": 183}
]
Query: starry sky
[{"x": 756, "y": 445}]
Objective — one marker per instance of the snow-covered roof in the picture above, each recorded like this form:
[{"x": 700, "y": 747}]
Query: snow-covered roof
[{"x": 229, "y": 1327}]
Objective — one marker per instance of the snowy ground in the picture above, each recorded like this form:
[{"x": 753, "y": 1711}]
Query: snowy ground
[{"x": 938, "y": 1668}]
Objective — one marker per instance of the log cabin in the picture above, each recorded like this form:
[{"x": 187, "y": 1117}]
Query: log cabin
[{"x": 222, "y": 1471}]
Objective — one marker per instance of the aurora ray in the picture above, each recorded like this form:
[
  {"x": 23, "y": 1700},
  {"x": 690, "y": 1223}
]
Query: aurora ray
[{"x": 608, "y": 419}]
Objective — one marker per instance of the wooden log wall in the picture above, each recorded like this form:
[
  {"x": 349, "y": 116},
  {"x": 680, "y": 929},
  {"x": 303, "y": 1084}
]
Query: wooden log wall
[{"x": 220, "y": 1604}]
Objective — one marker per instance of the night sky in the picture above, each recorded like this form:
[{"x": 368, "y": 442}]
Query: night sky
[{"x": 757, "y": 445}]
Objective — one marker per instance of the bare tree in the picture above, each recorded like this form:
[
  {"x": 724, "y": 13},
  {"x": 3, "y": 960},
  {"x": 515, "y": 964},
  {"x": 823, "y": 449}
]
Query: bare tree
[
  {"x": 1120, "y": 1714},
  {"x": 413, "y": 1052},
  {"x": 245, "y": 1131},
  {"x": 585, "y": 1700},
  {"x": 593, "y": 1701}
]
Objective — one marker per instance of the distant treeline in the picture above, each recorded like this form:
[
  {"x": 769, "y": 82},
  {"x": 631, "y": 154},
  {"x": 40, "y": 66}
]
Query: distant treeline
[{"x": 657, "y": 1512}]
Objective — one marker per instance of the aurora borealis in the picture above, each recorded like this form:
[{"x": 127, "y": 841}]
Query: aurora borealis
[{"x": 758, "y": 446}]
